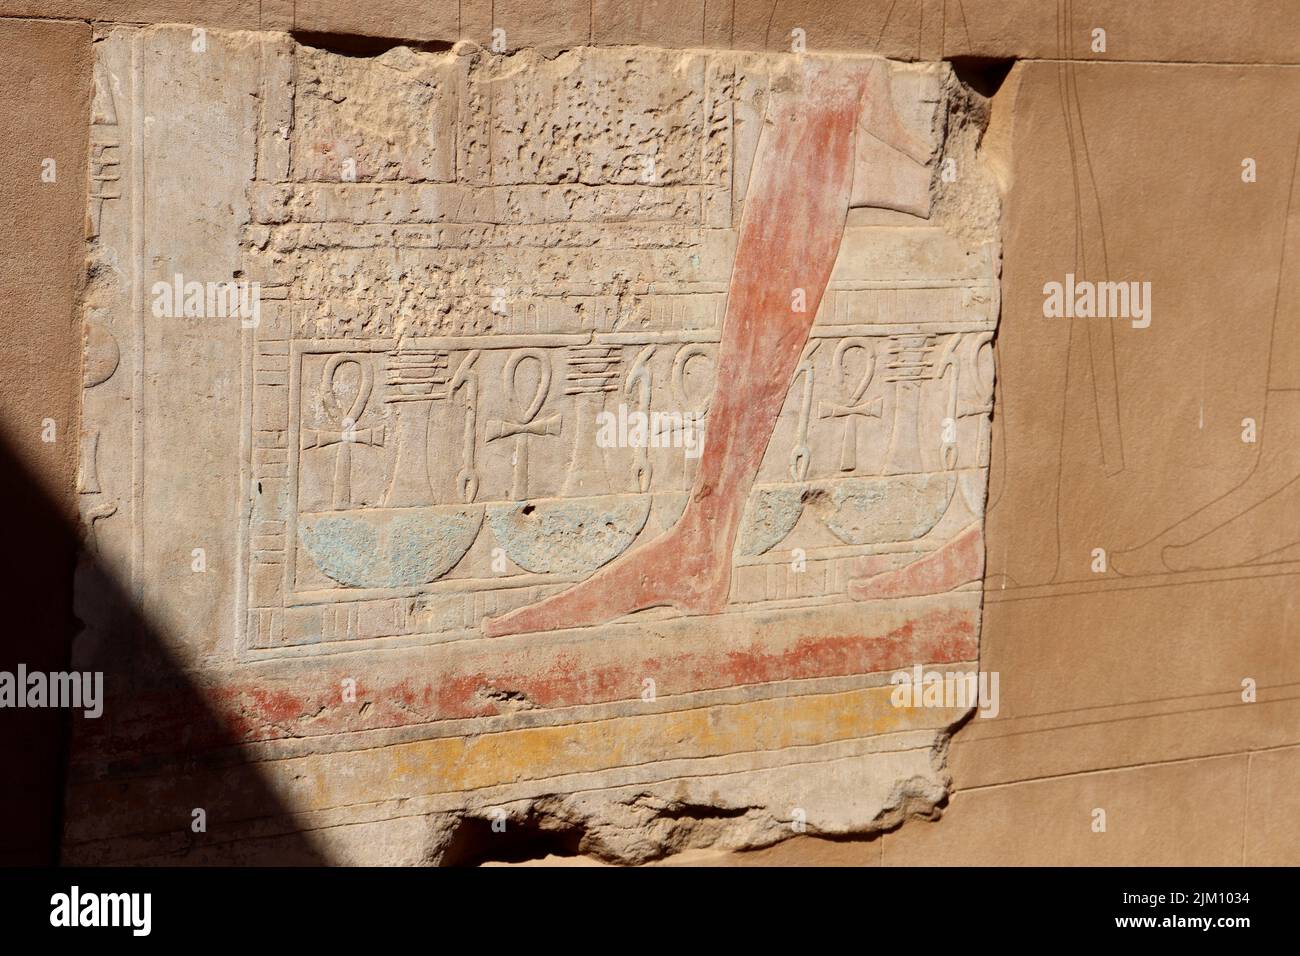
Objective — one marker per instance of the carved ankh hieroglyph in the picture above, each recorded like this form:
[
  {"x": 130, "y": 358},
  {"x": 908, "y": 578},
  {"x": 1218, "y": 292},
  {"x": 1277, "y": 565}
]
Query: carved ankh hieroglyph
[
  {"x": 855, "y": 407},
  {"x": 528, "y": 423},
  {"x": 347, "y": 434}
]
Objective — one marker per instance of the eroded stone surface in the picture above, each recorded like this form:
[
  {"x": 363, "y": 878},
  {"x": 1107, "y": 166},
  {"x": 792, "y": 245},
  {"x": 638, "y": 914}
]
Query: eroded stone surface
[{"x": 472, "y": 271}]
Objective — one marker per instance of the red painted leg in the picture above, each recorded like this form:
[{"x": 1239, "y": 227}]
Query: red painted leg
[{"x": 794, "y": 217}]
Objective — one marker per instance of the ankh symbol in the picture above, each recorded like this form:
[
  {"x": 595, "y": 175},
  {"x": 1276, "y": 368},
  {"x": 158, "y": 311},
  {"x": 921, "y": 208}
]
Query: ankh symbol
[
  {"x": 348, "y": 433},
  {"x": 528, "y": 423}
]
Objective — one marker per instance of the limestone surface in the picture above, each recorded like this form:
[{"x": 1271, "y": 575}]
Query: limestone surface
[{"x": 576, "y": 442}]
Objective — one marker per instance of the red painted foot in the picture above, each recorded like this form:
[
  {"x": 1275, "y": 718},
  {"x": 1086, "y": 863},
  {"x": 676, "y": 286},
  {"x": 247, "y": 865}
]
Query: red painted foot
[
  {"x": 958, "y": 562},
  {"x": 677, "y": 570}
]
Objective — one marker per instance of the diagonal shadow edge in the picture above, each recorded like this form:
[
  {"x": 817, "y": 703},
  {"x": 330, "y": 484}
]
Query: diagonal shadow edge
[{"x": 60, "y": 764}]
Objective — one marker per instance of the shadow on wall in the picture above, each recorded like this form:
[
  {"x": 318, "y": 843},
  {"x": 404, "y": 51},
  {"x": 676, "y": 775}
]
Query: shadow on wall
[{"x": 48, "y": 752}]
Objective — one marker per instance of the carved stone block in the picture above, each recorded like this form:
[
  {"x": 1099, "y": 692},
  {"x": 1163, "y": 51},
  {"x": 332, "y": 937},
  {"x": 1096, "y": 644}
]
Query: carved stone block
[{"x": 570, "y": 394}]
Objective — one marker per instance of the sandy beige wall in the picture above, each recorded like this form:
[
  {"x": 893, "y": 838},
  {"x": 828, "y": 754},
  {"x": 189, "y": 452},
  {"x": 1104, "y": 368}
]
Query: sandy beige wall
[
  {"x": 44, "y": 70},
  {"x": 1232, "y": 31},
  {"x": 1125, "y": 692},
  {"x": 1114, "y": 696}
]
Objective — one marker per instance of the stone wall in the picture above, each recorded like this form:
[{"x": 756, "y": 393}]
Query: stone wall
[
  {"x": 477, "y": 277},
  {"x": 300, "y": 528}
]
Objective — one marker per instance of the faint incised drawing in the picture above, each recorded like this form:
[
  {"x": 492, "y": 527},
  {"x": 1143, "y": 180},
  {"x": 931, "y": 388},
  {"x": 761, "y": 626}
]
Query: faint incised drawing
[{"x": 1254, "y": 522}]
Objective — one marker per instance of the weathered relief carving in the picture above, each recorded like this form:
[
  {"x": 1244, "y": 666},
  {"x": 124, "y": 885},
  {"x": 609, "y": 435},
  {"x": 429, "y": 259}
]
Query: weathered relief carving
[{"x": 569, "y": 373}]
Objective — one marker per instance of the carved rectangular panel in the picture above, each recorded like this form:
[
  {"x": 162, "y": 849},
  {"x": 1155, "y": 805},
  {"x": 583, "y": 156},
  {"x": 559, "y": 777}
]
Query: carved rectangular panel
[
  {"x": 509, "y": 387},
  {"x": 431, "y": 381}
]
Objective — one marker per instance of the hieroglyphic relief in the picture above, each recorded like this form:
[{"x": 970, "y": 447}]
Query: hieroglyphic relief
[
  {"x": 105, "y": 147},
  {"x": 101, "y": 351},
  {"x": 102, "y": 355},
  {"x": 440, "y": 343},
  {"x": 509, "y": 346}
]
